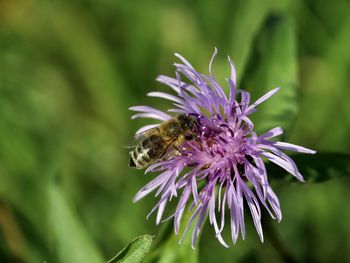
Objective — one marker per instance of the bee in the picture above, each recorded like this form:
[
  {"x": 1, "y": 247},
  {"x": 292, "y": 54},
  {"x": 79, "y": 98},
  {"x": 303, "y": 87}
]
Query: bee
[{"x": 163, "y": 141}]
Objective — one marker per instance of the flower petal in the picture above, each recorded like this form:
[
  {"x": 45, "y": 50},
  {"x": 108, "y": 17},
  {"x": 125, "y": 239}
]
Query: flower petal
[
  {"x": 262, "y": 99},
  {"x": 149, "y": 112},
  {"x": 271, "y": 133},
  {"x": 211, "y": 61},
  {"x": 165, "y": 96},
  {"x": 293, "y": 147},
  {"x": 254, "y": 207},
  {"x": 288, "y": 166},
  {"x": 149, "y": 115},
  {"x": 233, "y": 77},
  {"x": 171, "y": 82},
  {"x": 151, "y": 186}
]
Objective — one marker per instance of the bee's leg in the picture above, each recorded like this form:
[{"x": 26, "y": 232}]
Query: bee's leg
[
  {"x": 178, "y": 151},
  {"x": 174, "y": 151}
]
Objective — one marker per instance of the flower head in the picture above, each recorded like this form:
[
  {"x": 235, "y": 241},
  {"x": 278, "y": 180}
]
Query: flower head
[{"x": 225, "y": 160}]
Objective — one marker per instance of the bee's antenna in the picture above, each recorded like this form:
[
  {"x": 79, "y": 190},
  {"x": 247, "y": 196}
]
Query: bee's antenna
[{"x": 129, "y": 147}]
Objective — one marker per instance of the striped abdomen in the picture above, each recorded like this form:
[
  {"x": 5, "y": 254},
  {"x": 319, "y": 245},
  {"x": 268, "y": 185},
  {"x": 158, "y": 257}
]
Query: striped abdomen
[{"x": 146, "y": 152}]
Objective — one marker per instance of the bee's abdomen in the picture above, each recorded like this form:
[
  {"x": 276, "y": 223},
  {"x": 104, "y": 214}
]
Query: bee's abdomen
[
  {"x": 146, "y": 152},
  {"x": 132, "y": 163},
  {"x": 139, "y": 158}
]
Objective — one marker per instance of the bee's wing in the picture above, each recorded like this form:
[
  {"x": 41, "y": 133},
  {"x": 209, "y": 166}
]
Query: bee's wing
[
  {"x": 147, "y": 131},
  {"x": 167, "y": 144}
]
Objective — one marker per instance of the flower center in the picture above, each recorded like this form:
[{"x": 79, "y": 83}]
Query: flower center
[{"x": 219, "y": 142}]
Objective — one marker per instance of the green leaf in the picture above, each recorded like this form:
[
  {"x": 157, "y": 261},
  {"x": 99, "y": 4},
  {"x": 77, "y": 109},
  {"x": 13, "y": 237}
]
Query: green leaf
[
  {"x": 71, "y": 241},
  {"x": 167, "y": 248},
  {"x": 276, "y": 66},
  {"x": 248, "y": 17},
  {"x": 135, "y": 251},
  {"x": 315, "y": 168}
]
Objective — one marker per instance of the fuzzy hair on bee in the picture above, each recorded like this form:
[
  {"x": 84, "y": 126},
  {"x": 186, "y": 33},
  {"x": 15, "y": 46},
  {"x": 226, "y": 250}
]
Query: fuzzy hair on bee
[{"x": 158, "y": 142}]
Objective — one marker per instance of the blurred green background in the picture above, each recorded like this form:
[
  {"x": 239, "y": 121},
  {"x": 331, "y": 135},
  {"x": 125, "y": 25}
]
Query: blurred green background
[{"x": 69, "y": 70}]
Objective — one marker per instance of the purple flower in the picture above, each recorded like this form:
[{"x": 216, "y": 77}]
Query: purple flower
[{"x": 226, "y": 160}]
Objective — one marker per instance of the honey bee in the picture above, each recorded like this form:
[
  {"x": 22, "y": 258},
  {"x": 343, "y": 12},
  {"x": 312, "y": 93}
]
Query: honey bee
[{"x": 161, "y": 141}]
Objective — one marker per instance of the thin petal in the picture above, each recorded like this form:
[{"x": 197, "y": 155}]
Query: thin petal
[
  {"x": 288, "y": 166},
  {"x": 199, "y": 223},
  {"x": 233, "y": 74},
  {"x": 254, "y": 207},
  {"x": 245, "y": 99},
  {"x": 223, "y": 212},
  {"x": 158, "y": 205},
  {"x": 262, "y": 99},
  {"x": 178, "y": 111},
  {"x": 183, "y": 60},
  {"x": 148, "y": 115},
  {"x": 193, "y": 216},
  {"x": 274, "y": 203},
  {"x": 151, "y": 186},
  {"x": 161, "y": 211},
  {"x": 211, "y": 61},
  {"x": 194, "y": 190},
  {"x": 271, "y": 133},
  {"x": 165, "y": 96},
  {"x": 213, "y": 221},
  {"x": 149, "y": 112},
  {"x": 171, "y": 82},
  {"x": 293, "y": 147},
  {"x": 181, "y": 208}
]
